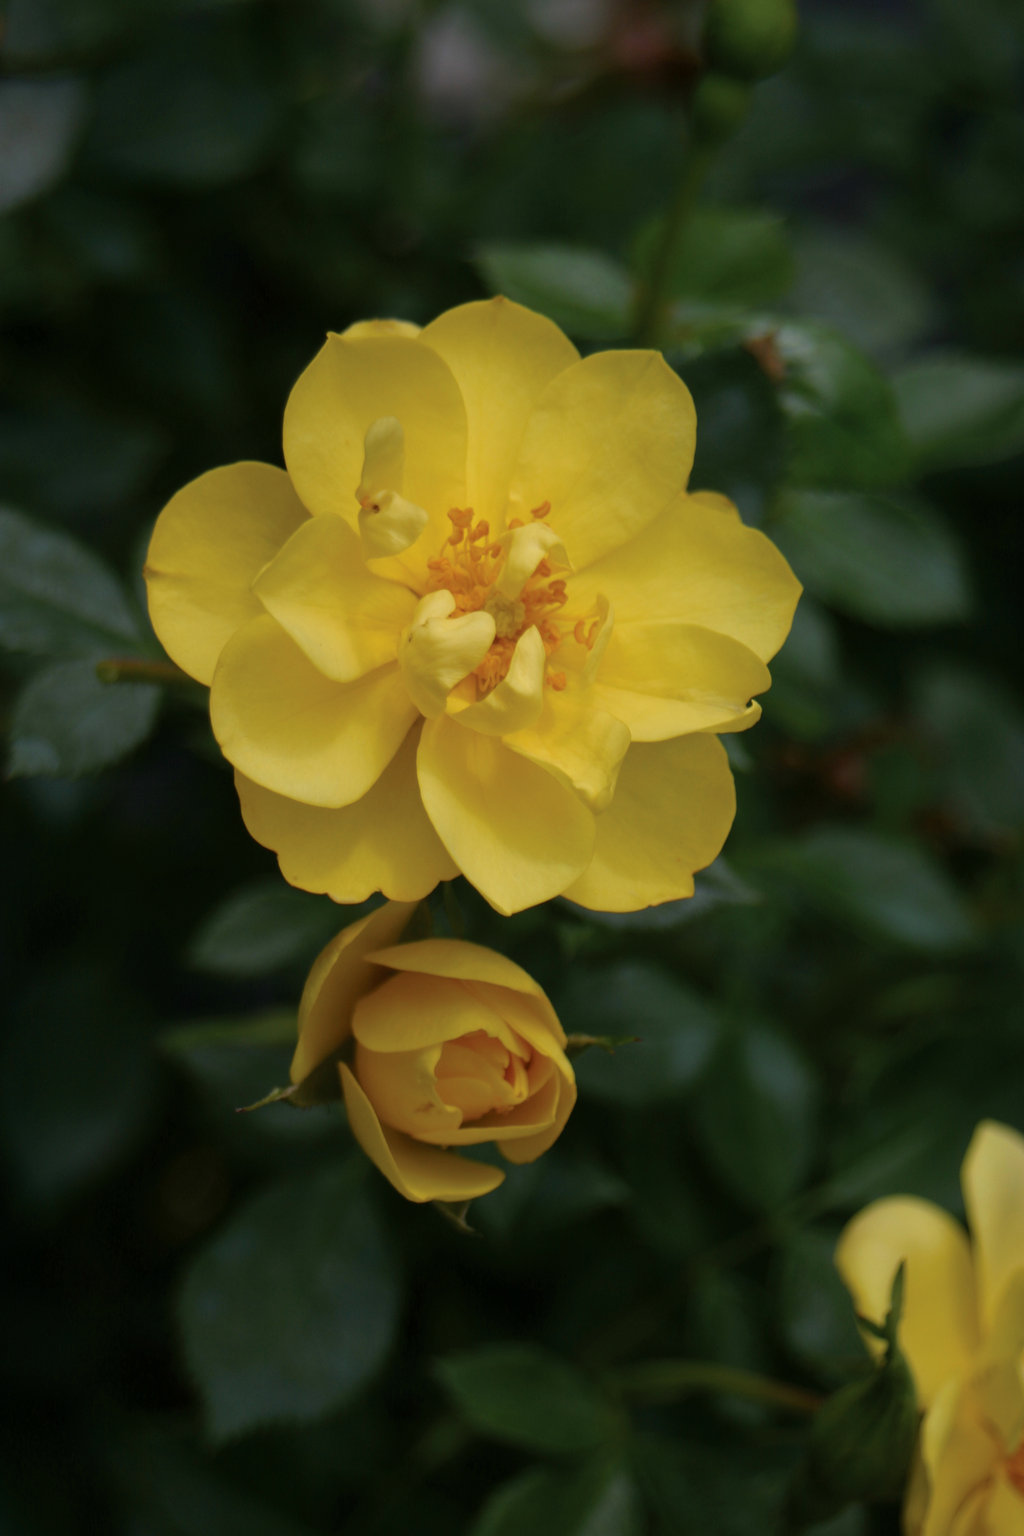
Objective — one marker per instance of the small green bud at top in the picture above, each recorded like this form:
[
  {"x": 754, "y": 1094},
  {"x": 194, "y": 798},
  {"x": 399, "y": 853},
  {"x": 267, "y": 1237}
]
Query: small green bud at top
[
  {"x": 750, "y": 39},
  {"x": 718, "y": 107}
]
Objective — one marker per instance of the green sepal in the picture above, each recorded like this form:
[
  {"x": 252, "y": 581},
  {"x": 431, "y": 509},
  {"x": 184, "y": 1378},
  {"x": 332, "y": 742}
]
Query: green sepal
[{"x": 863, "y": 1437}]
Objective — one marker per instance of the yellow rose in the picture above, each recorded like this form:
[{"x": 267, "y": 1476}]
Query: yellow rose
[
  {"x": 447, "y": 1044},
  {"x": 479, "y": 624},
  {"x": 962, "y": 1333}
]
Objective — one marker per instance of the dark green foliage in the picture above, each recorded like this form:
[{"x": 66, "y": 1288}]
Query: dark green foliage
[{"x": 222, "y": 1322}]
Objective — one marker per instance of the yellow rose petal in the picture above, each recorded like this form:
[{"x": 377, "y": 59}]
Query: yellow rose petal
[
  {"x": 417, "y": 1171},
  {"x": 343, "y": 617},
  {"x": 609, "y": 445},
  {"x": 992, "y": 1177},
  {"x": 341, "y": 973},
  {"x": 516, "y": 702},
  {"x": 672, "y": 809},
  {"x": 531, "y": 1147},
  {"x": 400, "y": 1085},
  {"x": 958, "y": 1461},
  {"x": 383, "y": 842},
  {"x": 291, "y": 729},
  {"x": 209, "y": 542},
  {"x": 409, "y": 1012},
  {"x": 354, "y": 381},
  {"x": 696, "y": 564},
  {"x": 664, "y": 678},
  {"x": 502, "y": 357},
  {"x": 579, "y": 742},
  {"x": 439, "y": 648},
  {"x": 459, "y": 961},
  {"x": 939, "y": 1332},
  {"x": 517, "y": 834}
]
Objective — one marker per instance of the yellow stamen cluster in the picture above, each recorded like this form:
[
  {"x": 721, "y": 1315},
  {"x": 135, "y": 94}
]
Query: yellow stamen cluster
[{"x": 468, "y": 565}]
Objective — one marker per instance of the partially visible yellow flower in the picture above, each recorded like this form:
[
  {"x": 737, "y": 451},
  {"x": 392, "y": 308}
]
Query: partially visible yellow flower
[
  {"x": 963, "y": 1335},
  {"x": 439, "y": 1044},
  {"x": 479, "y": 624}
]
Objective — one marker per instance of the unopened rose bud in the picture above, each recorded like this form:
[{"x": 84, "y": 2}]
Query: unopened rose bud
[
  {"x": 862, "y": 1439},
  {"x": 750, "y": 39}
]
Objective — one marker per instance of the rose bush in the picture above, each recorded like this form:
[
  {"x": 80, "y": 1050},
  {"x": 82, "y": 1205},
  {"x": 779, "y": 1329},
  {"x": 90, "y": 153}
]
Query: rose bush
[
  {"x": 479, "y": 624},
  {"x": 439, "y": 1044},
  {"x": 962, "y": 1333}
]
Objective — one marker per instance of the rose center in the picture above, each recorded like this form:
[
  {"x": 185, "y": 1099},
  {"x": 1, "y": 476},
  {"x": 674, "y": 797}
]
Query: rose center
[
  {"x": 477, "y": 1074},
  {"x": 488, "y": 575}
]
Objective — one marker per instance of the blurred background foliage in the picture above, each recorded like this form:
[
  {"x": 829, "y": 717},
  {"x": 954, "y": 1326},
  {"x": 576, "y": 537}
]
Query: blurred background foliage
[{"x": 221, "y": 1324}]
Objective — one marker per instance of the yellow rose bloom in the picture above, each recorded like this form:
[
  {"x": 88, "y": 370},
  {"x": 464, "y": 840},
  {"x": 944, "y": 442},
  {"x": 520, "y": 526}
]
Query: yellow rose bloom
[
  {"x": 962, "y": 1334},
  {"x": 439, "y": 1044},
  {"x": 479, "y": 624}
]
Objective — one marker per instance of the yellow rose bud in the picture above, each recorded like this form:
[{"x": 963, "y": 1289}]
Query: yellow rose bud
[{"x": 439, "y": 1044}]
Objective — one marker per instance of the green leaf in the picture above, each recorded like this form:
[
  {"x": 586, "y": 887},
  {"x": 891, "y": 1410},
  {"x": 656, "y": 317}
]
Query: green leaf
[
  {"x": 806, "y": 688},
  {"x": 842, "y": 420},
  {"x": 888, "y": 561},
  {"x": 39, "y": 122},
  {"x": 736, "y": 256},
  {"x": 976, "y": 731},
  {"x": 236, "y": 1063},
  {"x": 889, "y": 889},
  {"x": 755, "y": 1114},
  {"x": 813, "y": 1306},
  {"x": 695, "y": 1486},
  {"x": 57, "y": 598},
  {"x": 193, "y": 112},
  {"x": 173, "y": 1490},
  {"x": 66, "y": 722},
  {"x": 292, "y": 1308},
  {"x": 861, "y": 287},
  {"x": 76, "y": 1081},
  {"x": 521, "y": 1394},
  {"x": 959, "y": 409},
  {"x": 597, "y": 1500},
  {"x": 675, "y": 1029},
  {"x": 265, "y": 926},
  {"x": 584, "y": 291}
]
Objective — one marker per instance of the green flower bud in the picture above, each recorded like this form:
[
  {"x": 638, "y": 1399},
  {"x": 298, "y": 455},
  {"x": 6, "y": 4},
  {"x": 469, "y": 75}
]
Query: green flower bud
[
  {"x": 718, "y": 107},
  {"x": 750, "y": 39},
  {"x": 862, "y": 1439}
]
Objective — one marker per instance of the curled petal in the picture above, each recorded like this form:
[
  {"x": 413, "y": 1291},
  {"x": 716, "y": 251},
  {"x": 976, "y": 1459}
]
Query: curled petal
[
  {"x": 340, "y": 975},
  {"x": 437, "y": 651},
  {"x": 343, "y": 617},
  {"x": 524, "y": 549},
  {"x": 352, "y": 382},
  {"x": 516, "y": 702},
  {"x": 417, "y": 1171},
  {"x": 210, "y": 542}
]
